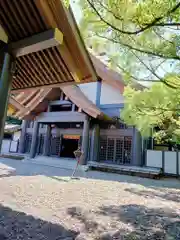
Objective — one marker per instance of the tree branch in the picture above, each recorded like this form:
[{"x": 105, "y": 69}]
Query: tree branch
[
  {"x": 133, "y": 77},
  {"x": 140, "y": 50},
  {"x": 160, "y": 36},
  {"x": 147, "y": 26},
  {"x": 155, "y": 74},
  {"x": 167, "y": 24},
  {"x": 114, "y": 15}
]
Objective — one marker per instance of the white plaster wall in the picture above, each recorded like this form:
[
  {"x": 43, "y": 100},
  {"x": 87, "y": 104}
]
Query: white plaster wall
[
  {"x": 170, "y": 162},
  {"x": 5, "y": 146},
  {"x": 154, "y": 158},
  {"x": 89, "y": 90},
  {"x": 110, "y": 95}
]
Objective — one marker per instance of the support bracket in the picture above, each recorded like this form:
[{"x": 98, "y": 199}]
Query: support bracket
[{"x": 37, "y": 42}]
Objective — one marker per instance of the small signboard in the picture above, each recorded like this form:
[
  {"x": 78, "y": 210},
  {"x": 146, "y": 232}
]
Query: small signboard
[{"x": 71, "y": 137}]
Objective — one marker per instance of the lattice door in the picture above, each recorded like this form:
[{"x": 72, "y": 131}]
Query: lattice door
[
  {"x": 119, "y": 150},
  {"x": 103, "y": 149},
  {"x": 127, "y": 150},
  {"x": 55, "y": 146},
  {"x": 110, "y": 149},
  {"x": 28, "y": 140},
  {"x": 40, "y": 144},
  {"x": 115, "y": 150}
]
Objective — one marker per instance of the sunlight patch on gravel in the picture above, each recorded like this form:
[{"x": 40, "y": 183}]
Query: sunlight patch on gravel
[{"x": 88, "y": 208}]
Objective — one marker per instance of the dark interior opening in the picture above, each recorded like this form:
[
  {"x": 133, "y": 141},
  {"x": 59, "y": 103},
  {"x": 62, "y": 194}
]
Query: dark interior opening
[
  {"x": 68, "y": 147},
  {"x": 8, "y": 136},
  {"x": 76, "y": 108},
  {"x": 61, "y": 108}
]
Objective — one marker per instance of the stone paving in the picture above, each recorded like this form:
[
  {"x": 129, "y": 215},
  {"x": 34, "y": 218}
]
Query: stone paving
[{"x": 42, "y": 202}]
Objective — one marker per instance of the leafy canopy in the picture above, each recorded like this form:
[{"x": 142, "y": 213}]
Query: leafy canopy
[
  {"x": 158, "y": 106},
  {"x": 140, "y": 38},
  {"x": 66, "y": 3}
]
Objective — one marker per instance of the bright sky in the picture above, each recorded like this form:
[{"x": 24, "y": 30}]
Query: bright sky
[
  {"x": 76, "y": 10},
  {"x": 78, "y": 15}
]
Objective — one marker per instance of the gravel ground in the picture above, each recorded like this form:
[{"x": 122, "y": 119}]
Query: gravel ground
[{"x": 37, "y": 206}]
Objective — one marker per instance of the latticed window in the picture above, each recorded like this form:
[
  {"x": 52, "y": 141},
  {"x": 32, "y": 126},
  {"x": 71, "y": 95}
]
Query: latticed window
[
  {"x": 119, "y": 150},
  {"x": 55, "y": 146},
  {"x": 103, "y": 149},
  {"x": 110, "y": 149},
  {"x": 127, "y": 149},
  {"x": 115, "y": 150},
  {"x": 40, "y": 144},
  {"x": 28, "y": 140}
]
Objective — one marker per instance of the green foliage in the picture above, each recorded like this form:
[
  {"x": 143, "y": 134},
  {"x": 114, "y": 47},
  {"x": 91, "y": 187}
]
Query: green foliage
[
  {"x": 158, "y": 106},
  {"x": 141, "y": 40},
  {"x": 66, "y": 3},
  {"x": 12, "y": 120},
  {"x": 139, "y": 37}
]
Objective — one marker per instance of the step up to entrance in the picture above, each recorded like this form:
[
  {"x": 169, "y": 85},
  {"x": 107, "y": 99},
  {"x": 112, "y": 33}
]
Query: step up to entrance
[
  {"x": 128, "y": 170},
  {"x": 64, "y": 163}
]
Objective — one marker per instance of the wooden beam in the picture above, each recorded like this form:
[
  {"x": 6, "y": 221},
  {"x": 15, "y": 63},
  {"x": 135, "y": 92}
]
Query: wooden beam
[
  {"x": 37, "y": 42},
  {"x": 11, "y": 110},
  {"x": 57, "y": 85},
  {"x": 60, "y": 102},
  {"x": 49, "y": 19},
  {"x": 52, "y": 117},
  {"x": 16, "y": 104},
  {"x": 34, "y": 102}
]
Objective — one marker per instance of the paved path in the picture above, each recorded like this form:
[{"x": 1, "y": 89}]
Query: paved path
[{"x": 41, "y": 202}]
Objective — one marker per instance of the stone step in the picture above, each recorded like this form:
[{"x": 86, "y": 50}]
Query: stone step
[{"x": 128, "y": 170}]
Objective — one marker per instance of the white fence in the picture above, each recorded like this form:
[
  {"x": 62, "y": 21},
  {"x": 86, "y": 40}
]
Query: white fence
[
  {"x": 5, "y": 146},
  {"x": 168, "y": 161},
  {"x": 9, "y": 146}
]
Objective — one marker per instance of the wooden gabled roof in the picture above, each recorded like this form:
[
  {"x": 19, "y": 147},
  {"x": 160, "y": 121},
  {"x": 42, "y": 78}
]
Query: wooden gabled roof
[
  {"x": 77, "y": 96},
  {"x": 34, "y": 102},
  {"x": 108, "y": 75},
  {"x": 65, "y": 63}
]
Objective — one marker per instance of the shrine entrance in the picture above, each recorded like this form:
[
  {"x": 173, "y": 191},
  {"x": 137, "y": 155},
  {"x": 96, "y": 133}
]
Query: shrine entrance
[{"x": 69, "y": 145}]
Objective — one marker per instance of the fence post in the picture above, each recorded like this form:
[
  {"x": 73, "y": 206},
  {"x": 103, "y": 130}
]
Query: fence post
[
  {"x": 177, "y": 162},
  {"x": 144, "y": 155},
  {"x": 163, "y": 161}
]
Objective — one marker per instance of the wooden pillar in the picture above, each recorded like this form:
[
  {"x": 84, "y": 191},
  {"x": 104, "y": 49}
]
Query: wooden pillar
[
  {"x": 5, "y": 87},
  {"x": 136, "y": 148},
  {"x": 85, "y": 141},
  {"x": 95, "y": 143},
  {"x": 47, "y": 141},
  {"x": 73, "y": 107},
  {"x": 34, "y": 140},
  {"x": 98, "y": 92},
  {"x": 23, "y": 136}
]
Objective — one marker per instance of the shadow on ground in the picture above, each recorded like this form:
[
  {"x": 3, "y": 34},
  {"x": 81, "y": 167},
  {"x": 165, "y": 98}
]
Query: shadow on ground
[
  {"x": 141, "y": 223},
  {"x": 18, "y": 225},
  {"x": 32, "y": 169},
  {"x": 155, "y": 193}
]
